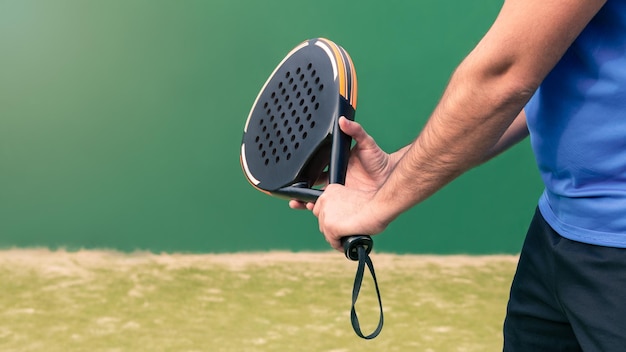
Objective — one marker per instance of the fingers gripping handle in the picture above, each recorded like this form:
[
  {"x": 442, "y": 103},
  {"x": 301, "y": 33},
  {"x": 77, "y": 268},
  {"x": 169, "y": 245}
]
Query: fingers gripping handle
[
  {"x": 350, "y": 243},
  {"x": 338, "y": 167}
]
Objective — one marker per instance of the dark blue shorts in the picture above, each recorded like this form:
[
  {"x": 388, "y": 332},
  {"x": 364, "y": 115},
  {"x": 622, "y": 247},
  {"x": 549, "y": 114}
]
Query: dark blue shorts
[{"x": 566, "y": 295}]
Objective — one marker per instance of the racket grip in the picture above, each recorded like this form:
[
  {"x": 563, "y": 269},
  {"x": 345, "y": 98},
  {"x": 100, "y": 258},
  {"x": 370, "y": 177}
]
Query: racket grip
[
  {"x": 352, "y": 243},
  {"x": 340, "y": 151},
  {"x": 300, "y": 193}
]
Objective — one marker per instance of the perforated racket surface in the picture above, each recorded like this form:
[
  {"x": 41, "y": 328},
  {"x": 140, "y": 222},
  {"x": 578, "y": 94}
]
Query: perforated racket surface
[{"x": 291, "y": 133}]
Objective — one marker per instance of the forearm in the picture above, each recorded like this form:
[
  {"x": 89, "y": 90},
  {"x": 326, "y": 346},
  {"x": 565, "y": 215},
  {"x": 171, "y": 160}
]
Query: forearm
[
  {"x": 517, "y": 131},
  {"x": 462, "y": 131}
]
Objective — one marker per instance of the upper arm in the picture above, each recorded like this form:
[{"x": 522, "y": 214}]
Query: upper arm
[{"x": 529, "y": 37}]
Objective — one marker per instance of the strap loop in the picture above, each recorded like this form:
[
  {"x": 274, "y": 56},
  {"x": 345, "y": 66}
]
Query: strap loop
[{"x": 363, "y": 259}]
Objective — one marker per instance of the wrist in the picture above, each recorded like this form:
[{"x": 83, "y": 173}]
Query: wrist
[{"x": 383, "y": 210}]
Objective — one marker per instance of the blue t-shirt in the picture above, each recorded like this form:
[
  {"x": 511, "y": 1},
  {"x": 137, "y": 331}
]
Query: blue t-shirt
[{"x": 577, "y": 123}]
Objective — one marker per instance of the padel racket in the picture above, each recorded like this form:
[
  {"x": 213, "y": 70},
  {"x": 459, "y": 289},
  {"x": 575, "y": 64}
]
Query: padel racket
[{"x": 292, "y": 136}]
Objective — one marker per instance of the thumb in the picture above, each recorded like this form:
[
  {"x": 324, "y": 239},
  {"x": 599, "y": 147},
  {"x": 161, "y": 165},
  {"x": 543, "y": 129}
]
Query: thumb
[{"x": 357, "y": 132}]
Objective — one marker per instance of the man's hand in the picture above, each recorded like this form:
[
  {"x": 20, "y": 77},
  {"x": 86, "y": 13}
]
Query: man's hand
[
  {"x": 368, "y": 167},
  {"x": 344, "y": 211}
]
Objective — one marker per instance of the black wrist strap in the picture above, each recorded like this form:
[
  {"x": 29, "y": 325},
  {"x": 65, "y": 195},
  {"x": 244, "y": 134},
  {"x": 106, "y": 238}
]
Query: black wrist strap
[{"x": 363, "y": 259}]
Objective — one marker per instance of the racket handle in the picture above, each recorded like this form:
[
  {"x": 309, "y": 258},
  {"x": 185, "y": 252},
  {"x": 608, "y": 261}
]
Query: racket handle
[
  {"x": 300, "y": 192},
  {"x": 340, "y": 148},
  {"x": 352, "y": 243}
]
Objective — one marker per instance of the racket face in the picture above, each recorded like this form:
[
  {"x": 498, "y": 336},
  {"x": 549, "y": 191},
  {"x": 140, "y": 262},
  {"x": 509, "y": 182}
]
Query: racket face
[{"x": 288, "y": 134}]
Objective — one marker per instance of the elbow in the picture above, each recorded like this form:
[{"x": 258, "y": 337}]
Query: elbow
[
  {"x": 503, "y": 85},
  {"x": 516, "y": 82}
]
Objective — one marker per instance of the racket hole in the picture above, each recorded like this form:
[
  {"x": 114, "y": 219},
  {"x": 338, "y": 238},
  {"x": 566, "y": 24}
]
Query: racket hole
[
  {"x": 286, "y": 123},
  {"x": 298, "y": 95},
  {"x": 309, "y": 91},
  {"x": 305, "y": 109},
  {"x": 291, "y": 80},
  {"x": 265, "y": 105},
  {"x": 306, "y": 84},
  {"x": 280, "y": 107},
  {"x": 261, "y": 122},
  {"x": 288, "y": 156},
  {"x": 295, "y": 86},
  {"x": 275, "y": 125},
  {"x": 309, "y": 66},
  {"x": 271, "y": 144},
  {"x": 293, "y": 137},
  {"x": 273, "y": 95},
  {"x": 280, "y": 85},
  {"x": 287, "y": 97},
  {"x": 301, "y": 102},
  {"x": 290, "y": 105},
  {"x": 274, "y": 151},
  {"x": 313, "y": 73},
  {"x": 302, "y": 77},
  {"x": 286, "y": 75},
  {"x": 260, "y": 146},
  {"x": 293, "y": 113},
  {"x": 282, "y": 115},
  {"x": 281, "y": 142},
  {"x": 321, "y": 87},
  {"x": 317, "y": 80},
  {"x": 257, "y": 139},
  {"x": 296, "y": 146},
  {"x": 300, "y": 128},
  {"x": 283, "y": 91},
  {"x": 313, "y": 99},
  {"x": 298, "y": 70},
  {"x": 304, "y": 135},
  {"x": 277, "y": 159},
  {"x": 278, "y": 134},
  {"x": 267, "y": 161},
  {"x": 272, "y": 118},
  {"x": 297, "y": 119},
  {"x": 267, "y": 136},
  {"x": 312, "y": 124},
  {"x": 264, "y": 128},
  {"x": 263, "y": 154},
  {"x": 308, "y": 117},
  {"x": 275, "y": 101},
  {"x": 317, "y": 105}
]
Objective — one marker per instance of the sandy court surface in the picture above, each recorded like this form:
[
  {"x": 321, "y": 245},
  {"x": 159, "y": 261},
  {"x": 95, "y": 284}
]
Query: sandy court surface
[
  {"x": 104, "y": 300},
  {"x": 73, "y": 261}
]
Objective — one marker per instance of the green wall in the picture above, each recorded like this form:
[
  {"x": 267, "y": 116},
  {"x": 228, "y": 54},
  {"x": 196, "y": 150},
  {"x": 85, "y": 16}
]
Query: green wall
[{"x": 121, "y": 122}]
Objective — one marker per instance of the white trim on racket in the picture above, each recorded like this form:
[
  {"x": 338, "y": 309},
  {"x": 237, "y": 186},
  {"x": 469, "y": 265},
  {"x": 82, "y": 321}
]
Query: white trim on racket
[
  {"x": 329, "y": 52},
  {"x": 245, "y": 129},
  {"x": 245, "y": 165}
]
